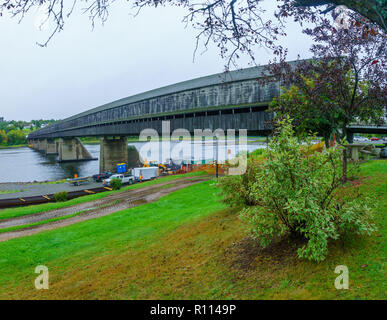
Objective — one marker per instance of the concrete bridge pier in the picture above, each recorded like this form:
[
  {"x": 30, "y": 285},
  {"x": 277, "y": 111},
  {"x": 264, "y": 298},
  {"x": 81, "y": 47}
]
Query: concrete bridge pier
[
  {"x": 36, "y": 144},
  {"x": 72, "y": 149},
  {"x": 51, "y": 146},
  {"x": 42, "y": 145},
  {"x": 113, "y": 151}
]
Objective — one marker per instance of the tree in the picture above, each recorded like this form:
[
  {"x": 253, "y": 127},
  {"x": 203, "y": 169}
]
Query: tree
[
  {"x": 3, "y": 137},
  {"x": 311, "y": 112},
  {"x": 316, "y": 98},
  {"x": 20, "y": 124},
  {"x": 351, "y": 84},
  {"x": 36, "y": 123},
  {"x": 235, "y": 26},
  {"x": 3, "y": 125},
  {"x": 296, "y": 192},
  {"x": 16, "y": 137},
  {"x": 359, "y": 79},
  {"x": 374, "y": 10}
]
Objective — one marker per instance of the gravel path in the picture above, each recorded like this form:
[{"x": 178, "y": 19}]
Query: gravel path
[{"x": 97, "y": 208}]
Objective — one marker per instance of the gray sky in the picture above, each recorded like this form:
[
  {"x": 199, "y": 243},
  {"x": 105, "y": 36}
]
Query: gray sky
[{"x": 83, "y": 68}]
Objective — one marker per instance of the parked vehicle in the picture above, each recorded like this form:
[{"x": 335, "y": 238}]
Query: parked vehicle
[
  {"x": 101, "y": 176},
  {"x": 361, "y": 139},
  {"x": 146, "y": 173},
  {"x": 78, "y": 181},
  {"x": 126, "y": 179},
  {"x": 374, "y": 139}
]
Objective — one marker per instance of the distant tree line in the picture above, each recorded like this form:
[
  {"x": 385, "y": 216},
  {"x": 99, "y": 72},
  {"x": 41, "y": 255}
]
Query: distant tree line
[{"x": 15, "y": 132}]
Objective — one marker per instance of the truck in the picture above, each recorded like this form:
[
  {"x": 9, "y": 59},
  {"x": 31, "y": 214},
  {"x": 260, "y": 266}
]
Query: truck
[
  {"x": 125, "y": 178},
  {"x": 147, "y": 173}
]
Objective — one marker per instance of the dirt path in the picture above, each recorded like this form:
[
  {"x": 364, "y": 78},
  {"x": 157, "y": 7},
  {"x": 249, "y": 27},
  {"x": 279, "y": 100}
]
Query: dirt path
[{"x": 97, "y": 208}]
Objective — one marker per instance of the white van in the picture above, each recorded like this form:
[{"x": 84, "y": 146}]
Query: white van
[{"x": 147, "y": 173}]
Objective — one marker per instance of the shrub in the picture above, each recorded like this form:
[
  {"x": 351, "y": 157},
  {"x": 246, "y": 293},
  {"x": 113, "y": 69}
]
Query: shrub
[
  {"x": 116, "y": 184},
  {"x": 296, "y": 191},
  {"x": 61, "y": 196}
]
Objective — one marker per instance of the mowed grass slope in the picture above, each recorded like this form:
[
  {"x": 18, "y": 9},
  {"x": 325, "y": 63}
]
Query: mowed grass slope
[
  {"x": 72, "y": 248},
  {"x": 189, "y": 246}
]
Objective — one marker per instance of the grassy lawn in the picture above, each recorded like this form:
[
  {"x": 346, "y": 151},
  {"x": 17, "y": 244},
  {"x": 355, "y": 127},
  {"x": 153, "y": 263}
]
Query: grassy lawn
[
  {"x": 188, "y": 245},
  {"x": 22, "y": 211}
]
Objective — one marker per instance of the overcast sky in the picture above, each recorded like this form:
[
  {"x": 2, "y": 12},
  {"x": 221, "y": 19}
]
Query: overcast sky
[{"x": 83, "y": 68}]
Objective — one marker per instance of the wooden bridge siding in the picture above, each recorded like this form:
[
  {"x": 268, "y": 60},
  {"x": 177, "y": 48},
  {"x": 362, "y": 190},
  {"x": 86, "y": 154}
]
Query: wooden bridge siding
[{"x": 223, "y": 95}]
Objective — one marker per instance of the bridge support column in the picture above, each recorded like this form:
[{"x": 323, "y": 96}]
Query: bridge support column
[
  {"x": 36, "y": 144},
  {"x": 72, "y": 149},
  {"x": 51, "y": 146},
  {"x": 42, "y": 145},
  {"x": 113, "y": 151}
]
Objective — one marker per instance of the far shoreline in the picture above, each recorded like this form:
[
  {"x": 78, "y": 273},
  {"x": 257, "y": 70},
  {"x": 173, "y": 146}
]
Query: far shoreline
[{"x": 14, "y": 146}]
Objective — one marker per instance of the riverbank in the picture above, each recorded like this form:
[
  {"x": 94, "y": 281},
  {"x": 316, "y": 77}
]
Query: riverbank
[
  {"x": 188, "y": 245},
  {"x": 25, "y": 210},
  {"x": 114, "y": 202},
  {"x": 13, "y": 146},
  {"x": 24, "y": 190}
]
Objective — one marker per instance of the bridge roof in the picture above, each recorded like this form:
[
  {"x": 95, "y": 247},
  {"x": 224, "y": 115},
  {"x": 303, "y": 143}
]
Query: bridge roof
[{"x": 202, "y": 82}]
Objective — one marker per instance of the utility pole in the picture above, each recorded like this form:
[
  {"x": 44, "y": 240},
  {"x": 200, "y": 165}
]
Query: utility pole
[{"x": 217, "y": 152}]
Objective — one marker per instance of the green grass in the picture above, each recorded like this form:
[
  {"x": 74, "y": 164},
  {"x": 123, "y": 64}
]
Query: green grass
[
  {"x": 29, "y": 225},
  {"x": 34, "y": 224},
  {"x": 22, "y": 211},
  {"x": 136, "y": 228},
  {"x": 40, "y": 222},
  {"x": 188, "y": 246}
]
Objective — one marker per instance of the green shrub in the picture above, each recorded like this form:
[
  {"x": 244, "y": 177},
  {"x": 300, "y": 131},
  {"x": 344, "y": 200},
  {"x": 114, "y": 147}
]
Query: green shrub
[
  {"x": 61, "y": 196},
  {"x": 296, "y": 191},
  {"x": 116, "y": 184}
]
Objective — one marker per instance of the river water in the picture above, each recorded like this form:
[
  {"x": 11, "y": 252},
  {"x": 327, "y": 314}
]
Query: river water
[{"x": 27, "y": 165}]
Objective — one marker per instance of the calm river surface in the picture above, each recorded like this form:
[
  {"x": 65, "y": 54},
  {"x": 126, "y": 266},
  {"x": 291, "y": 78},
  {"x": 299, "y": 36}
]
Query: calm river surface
[{"x": 26, "y": 165}]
